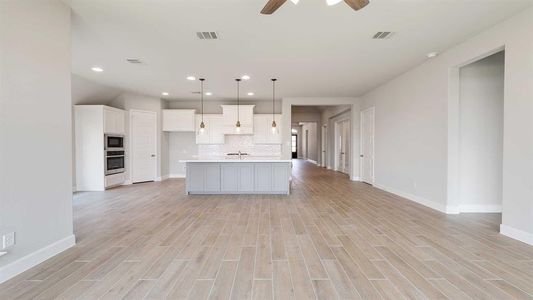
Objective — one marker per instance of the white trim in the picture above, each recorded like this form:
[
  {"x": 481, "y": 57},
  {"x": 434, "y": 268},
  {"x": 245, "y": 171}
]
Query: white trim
[
  {"x": 312, "y": 161},
  {"x": 491, "y": 208},
  {"x": 24, "y": 263},
  {"x": 516, "y": 234},
  {"x": 74, "y": 189},
  {"x": 420, "y": 200},
  {"x": 176, "y": 176},
  {"x": 127, "y": 182},
  {"x": 355, "y": 178}
]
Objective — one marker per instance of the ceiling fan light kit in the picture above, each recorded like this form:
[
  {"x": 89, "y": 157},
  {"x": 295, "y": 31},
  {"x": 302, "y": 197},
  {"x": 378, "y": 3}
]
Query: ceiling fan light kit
[{"x": 273, "y": 5}]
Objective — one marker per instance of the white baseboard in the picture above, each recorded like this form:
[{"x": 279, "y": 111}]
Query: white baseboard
[
  {"x": 176, "y": 176},
  {"x": 24, "y": 263},
  {"x": 517, "y": 234},
  {"x": 127, "y": 182},
  {"x": 355, "y": 178},
  {"x": 480, "y": 208},
  {"x": 312, "y": 161},
  {"x": 420, "y": 200}
]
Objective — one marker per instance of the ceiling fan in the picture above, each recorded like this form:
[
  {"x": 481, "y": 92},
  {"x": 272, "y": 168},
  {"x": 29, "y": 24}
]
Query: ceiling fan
[{"x": 273, "y": 5}]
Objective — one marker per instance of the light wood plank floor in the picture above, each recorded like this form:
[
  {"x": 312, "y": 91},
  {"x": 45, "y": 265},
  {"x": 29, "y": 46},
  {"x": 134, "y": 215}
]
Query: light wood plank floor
[{"x": 330, "y": 239}]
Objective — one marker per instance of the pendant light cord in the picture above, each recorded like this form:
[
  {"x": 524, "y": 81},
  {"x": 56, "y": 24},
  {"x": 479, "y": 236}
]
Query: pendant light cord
[
  {"x": 202, "y": 97},
  {"x": 273, "y": 97},
  {"x": 238, "y": 100}
]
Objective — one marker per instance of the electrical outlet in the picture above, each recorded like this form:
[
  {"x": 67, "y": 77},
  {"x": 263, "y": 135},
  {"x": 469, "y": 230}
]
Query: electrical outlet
[{"x": 8, "y": 240}]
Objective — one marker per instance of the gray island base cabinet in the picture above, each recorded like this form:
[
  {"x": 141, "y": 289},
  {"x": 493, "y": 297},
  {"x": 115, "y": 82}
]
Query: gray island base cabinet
[{"x": 238, "y": 177}]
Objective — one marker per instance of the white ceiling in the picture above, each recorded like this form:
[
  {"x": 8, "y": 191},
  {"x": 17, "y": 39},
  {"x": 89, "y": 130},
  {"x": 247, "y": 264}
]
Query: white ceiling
[{"x": 313, "y": 49}]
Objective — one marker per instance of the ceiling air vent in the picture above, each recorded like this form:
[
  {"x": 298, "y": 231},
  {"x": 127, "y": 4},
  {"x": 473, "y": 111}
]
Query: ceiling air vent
[
  {"x": 207, "y": 35},
  {"x": 134, "y": 61},
  {"x": 383, "y": 35}
]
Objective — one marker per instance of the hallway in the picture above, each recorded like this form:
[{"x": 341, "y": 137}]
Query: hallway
[{"x": 331, "y": 238}]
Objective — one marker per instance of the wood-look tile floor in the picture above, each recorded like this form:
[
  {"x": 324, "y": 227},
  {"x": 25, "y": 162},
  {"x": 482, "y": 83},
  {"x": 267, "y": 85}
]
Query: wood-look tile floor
[{"x": 330, "y": 239}]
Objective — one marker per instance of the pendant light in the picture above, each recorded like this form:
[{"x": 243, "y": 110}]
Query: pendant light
[
  {"x": 274, "y": 125},
  {"x": 202, "y": 124},
  {"x": 238, "y": 124}
]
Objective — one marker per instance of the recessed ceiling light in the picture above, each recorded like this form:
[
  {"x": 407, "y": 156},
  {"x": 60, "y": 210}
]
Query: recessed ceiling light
[
  {"x": 97, "y": 69},
  {"x": 295, "y": 1},
  {"x": 250, "y": 94},
  {"x": 245, "y": 77},
  {"x": 208, "y": 93},
  {"x": 191, "y": 78},
  {"x": 432, "y": 54},
  {"x": 164, "y": 93}
]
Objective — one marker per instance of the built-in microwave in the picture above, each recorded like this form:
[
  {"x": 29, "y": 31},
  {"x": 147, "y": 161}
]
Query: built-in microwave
[{"x": 114, "y": 142}]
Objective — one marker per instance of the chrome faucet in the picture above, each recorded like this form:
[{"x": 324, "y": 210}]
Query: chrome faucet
[{"x": 239, "y": 154}]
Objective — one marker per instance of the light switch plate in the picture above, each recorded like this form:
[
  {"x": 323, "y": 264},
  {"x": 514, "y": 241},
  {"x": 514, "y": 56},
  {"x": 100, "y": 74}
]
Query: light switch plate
[{"x": 8, "y": 240}]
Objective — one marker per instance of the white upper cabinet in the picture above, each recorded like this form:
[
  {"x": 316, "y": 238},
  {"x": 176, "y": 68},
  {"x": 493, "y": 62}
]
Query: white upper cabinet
[
  {"x": 178, "y": 120},
  {"x": 213, "y": 133},
  {"x": 245, "y": 115},
  {"x": 114, "y": 120},
  {"x": 262, "y": 131}
]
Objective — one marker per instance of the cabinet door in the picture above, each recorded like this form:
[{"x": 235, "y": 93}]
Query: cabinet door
[
  {"x": 229, "y": 177},
  {"x": 109, "y": 121},
  {"x": 212, "y": 177},
  {"x": 120, "y": 120},
  {"x": 280, "y": 177},
  {"x": 263, "y": 177},
  {"x": 246, "y": 177},
  {"x": 195, "y": 177},
  {"x": 178, "y": 120}
]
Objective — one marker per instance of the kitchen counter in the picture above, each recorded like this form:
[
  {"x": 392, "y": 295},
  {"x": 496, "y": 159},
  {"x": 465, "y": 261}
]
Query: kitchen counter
[
  {"x": 250, "y": 159},
  {"x": 248, "y": 175}
]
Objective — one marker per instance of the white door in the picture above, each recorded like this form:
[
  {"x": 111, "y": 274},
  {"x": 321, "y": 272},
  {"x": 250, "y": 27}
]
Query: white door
[
  {"x": 367, "y": 145},
  {"x": 343, "y": 146},
  {"x": 324, "y": 144},
  {"x": 143, "y": 150}
]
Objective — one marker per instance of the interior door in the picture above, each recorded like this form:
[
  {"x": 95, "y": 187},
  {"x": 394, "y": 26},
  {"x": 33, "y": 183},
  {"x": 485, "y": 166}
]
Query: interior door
[
  {"x": 345, "y": 150},
  {"x": 343, "y": 146},
  {"x": 367, "y": 145},
  {"x": 143, "y": 126}
]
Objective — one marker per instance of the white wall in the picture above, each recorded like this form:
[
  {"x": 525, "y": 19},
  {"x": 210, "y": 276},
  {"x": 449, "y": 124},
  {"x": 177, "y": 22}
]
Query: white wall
[
  {"x": 35, "y": 132},
  {"x": 413, "y": 112},
  {"x": 481, "y": 135}
]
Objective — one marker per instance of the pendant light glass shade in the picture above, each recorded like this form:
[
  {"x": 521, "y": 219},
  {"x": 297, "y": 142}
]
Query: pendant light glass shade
[
  {"x": 238, "y": 124},
  {"x": 202, "y": 129},
  {"x": 275, "y": 129}
]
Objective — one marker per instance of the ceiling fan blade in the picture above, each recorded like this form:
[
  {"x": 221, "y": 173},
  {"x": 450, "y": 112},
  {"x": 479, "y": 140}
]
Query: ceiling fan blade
[
  {"x": 272, "y": 6},
  {"x": 357, "y": 4}
]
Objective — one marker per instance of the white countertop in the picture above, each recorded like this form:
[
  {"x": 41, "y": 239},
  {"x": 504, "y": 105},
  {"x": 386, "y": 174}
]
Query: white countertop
[{"x": 234, "y": 160}]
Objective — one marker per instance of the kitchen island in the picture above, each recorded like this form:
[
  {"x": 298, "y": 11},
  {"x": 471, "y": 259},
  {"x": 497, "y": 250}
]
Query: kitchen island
[{"x": 251, "y": 175}]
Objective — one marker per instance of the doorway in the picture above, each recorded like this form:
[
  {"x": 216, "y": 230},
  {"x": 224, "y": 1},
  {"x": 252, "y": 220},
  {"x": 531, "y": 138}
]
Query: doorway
[
  {"x": 367, "y": 145},
  {"x": 481, "y": 93},
  {"x": 143, "y": 150},
  {"x": 324, "y": 146},
  {"x": 342, "y": 145}
]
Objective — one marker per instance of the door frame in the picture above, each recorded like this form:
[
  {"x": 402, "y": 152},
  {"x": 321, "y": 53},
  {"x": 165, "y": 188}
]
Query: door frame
[
  {"x": 324, "y": 146},
  {"x": 292, "y": 153},
  {"x": 131, "y": 139},
  {"x": 361, "y": 158}
]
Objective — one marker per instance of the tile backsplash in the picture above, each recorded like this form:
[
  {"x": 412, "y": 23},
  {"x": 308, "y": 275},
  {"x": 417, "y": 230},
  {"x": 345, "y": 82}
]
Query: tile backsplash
[{"x": 235, "y": 143}]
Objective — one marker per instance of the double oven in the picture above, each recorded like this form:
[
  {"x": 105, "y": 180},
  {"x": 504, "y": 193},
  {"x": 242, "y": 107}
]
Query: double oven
[{"x": 114, "y": 154}]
